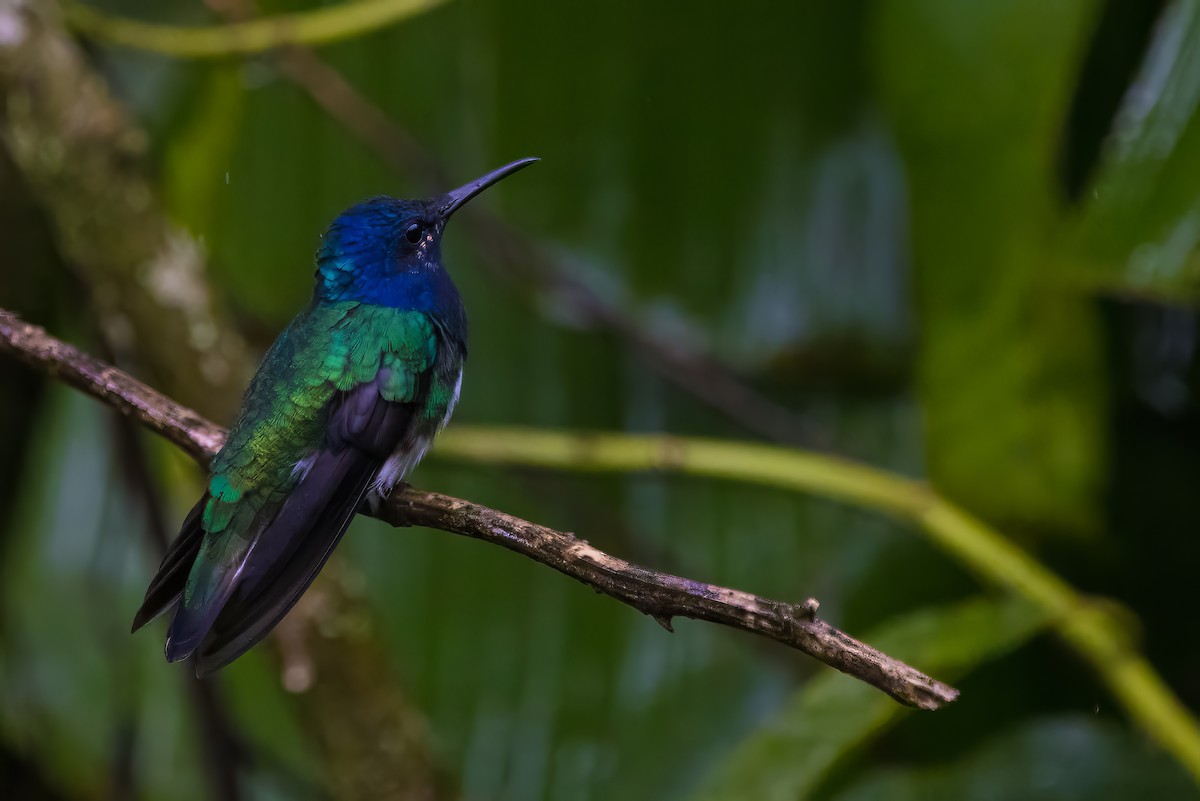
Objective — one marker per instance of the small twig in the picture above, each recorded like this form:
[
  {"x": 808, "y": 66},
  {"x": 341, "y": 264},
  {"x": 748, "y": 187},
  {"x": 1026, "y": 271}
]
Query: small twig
[
  {"x": 660, "y": 595},
  {"x": 664, "y": 596},
  {"x": 179, "y": 424}
]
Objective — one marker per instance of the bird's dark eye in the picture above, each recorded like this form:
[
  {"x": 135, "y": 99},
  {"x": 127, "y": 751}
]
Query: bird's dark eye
[{"x": 414, "y": 233}]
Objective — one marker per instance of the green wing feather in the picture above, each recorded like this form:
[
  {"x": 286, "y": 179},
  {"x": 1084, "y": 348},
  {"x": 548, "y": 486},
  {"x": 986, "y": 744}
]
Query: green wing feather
[{"x": 329, "y": 349}]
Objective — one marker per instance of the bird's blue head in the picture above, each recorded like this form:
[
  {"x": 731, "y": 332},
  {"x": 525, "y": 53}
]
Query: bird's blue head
[{"x": 387, "y": 251}]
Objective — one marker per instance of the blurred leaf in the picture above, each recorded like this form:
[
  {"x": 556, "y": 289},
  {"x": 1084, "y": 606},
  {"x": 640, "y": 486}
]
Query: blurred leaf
[
  {"x": 77, "y": 687},
  {"x": 746, "y": 179},
  {"x": 1140, "y": 225},
  {"x": 1060, "y": 759},
  {"x": 834, "y": 716},
  {"x": 251, "y": 36},
  {"x": 534, "y": 687},
  {"x": 1010, "y": 372},
  {"x": 75, "y": 683},
  {"x": 197, "y": 161}
]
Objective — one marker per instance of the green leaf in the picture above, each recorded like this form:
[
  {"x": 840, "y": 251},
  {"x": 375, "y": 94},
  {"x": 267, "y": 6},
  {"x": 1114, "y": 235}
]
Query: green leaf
[
  {"x": 196, "y": 163},
  {"x": 1141, "y": 225},
  {"x": 834, "y": 715},
  {"x": 1061, "y": 759},
  {"x": 1010, "y": 371}
]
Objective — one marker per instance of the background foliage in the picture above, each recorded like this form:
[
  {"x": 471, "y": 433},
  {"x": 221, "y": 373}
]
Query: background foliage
[{"x": 958, "y": 238}]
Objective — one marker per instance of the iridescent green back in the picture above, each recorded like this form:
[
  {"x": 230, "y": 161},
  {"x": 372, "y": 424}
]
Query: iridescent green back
[{"x": 330, "y": 347}]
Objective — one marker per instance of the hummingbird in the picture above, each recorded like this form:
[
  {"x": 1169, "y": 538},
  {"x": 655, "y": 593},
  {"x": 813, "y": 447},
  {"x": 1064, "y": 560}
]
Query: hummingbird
[{"x": 344, "y": 404}]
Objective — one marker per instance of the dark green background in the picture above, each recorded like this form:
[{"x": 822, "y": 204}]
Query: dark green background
[{"x": 958, "y": 238}]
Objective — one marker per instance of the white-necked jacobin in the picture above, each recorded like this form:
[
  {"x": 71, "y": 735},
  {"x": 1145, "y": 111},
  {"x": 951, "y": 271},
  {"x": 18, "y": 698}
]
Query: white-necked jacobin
[{"x": 344, "y": 404}]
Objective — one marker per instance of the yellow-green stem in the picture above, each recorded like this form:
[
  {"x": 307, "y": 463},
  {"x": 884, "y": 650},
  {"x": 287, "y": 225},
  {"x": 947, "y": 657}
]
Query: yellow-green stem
[
  {"x": 1087, "y": 626},
  {"x": 316, "y": 27}
]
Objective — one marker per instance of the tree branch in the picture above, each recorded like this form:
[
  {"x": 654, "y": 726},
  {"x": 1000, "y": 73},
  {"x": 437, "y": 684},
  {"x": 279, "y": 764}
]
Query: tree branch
[
  {"x": 178, "y": 424},
  {"x": 659, "y": 595}
]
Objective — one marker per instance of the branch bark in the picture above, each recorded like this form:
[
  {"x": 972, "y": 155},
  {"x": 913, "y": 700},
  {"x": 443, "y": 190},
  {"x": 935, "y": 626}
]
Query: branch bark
[{"x": 660, "y": 595}]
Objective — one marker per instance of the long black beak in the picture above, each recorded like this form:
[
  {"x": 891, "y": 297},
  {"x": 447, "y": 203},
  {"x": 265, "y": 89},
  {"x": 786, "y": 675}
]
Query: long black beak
[{"x": 450, "y": 202}]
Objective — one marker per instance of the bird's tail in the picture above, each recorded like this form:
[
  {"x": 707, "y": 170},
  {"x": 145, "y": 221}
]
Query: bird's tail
[{"x": 167, "y": 586}]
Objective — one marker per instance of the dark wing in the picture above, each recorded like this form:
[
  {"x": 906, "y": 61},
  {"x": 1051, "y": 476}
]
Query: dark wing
[
  {"x": 167, "y": 585},
  {"x": 363, "y": 431},
  {"x": 290, "y": 539}
]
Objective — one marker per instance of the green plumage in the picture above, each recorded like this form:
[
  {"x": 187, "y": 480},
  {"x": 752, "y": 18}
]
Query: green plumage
[{"x": 327, "y": 349}]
